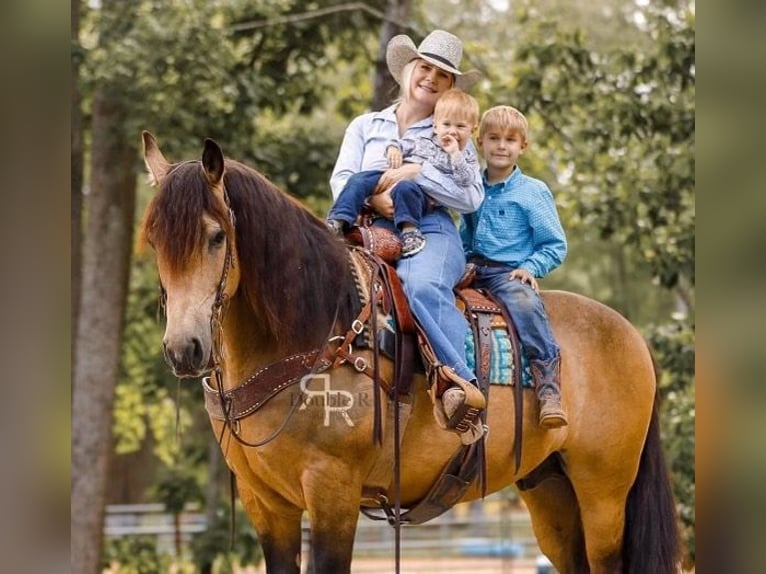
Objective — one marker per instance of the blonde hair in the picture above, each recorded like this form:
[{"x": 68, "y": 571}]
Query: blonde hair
[
  {"x": 503, "y": 118},
  {"x": 456, "y": 102}
]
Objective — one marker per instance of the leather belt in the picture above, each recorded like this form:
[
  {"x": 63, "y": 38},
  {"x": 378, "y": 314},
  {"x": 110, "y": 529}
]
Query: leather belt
[{"x": 486, "y": 262}]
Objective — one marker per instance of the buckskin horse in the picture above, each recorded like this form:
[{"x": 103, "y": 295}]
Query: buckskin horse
[{"x": 254, "y": 284}]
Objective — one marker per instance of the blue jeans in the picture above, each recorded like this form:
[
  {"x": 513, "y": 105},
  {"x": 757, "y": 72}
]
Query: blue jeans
[
  {"x": 428, "y": 279},
  {"x": 525, "y": 307},
  {"x": 410, "y": 202}
]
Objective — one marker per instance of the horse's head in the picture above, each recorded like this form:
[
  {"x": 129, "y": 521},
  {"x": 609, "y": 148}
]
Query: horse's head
[{"x": 191, "y": 229}]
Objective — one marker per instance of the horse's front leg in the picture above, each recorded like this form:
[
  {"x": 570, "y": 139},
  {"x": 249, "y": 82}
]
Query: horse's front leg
[
  {"x": 333, "y": 508},
  {"x": 278, "y": 525}
]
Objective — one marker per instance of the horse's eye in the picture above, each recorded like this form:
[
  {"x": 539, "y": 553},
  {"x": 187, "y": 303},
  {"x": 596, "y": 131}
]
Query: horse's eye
[{"x": 217, "y": 239}]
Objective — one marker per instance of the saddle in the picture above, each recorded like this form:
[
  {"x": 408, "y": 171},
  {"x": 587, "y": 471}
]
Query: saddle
[
  {"x": 373, "y": 272},
  {"x": 379, "y": 247}
]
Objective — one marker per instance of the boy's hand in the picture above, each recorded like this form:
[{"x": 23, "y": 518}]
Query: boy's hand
[
  {"x": 449, "y": 144},
  {"x": 394, "y": 156},
  {"x": 525, "y": 277}
]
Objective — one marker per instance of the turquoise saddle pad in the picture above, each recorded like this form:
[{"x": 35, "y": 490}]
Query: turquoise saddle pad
[{"x": 501, "y": 367}]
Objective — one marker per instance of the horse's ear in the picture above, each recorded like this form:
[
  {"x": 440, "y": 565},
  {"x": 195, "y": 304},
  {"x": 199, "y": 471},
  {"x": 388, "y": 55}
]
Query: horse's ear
[
  {"x": 155, "y": 162},
  {"x": 212, "y": 162}
]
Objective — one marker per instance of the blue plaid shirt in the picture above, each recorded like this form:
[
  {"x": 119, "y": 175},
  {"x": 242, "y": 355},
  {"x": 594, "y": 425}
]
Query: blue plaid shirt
[{"x": 516, "y": 224}]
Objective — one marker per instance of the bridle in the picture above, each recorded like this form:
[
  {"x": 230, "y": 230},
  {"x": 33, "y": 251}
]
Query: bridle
[
  {"x": 220, "y": 305},
  {"x": 221, "y": 301},
  {"x": 226, "y": 405}
]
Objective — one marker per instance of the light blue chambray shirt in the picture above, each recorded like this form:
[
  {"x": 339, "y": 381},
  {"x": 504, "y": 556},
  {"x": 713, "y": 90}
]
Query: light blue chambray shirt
[
  {"x": 517, "y": 224},
  {"x": 364, "y": 148}
]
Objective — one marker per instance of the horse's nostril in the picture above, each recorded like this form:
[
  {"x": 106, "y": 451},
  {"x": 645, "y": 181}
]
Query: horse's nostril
[
  {"x": 196, "y": 351},
  {"x": 166, "y": 353}
]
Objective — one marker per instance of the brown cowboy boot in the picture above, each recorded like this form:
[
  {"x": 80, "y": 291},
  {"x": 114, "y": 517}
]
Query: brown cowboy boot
[
  {"x": 548, "y": 384},
  {"x": 459, "y": 407},
  {"x": 453, "y": 399}
]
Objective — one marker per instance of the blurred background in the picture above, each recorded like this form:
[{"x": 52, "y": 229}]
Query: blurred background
[{"x": 609, "y": 89}]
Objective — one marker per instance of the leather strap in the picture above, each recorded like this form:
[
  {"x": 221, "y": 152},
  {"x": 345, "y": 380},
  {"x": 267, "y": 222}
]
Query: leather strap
[
  {"x": 454, "y": 480},
  {"x": 480, "y": 303},
  {"x": 518, "y": 394},
  {"x": 261, "y": 386},
  {"x": 483, "y": 334}
]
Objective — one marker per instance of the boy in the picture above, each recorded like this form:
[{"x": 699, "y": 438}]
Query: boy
[
  {"x": 455, "y": 118},
  {"x": 515, "y": 238}
]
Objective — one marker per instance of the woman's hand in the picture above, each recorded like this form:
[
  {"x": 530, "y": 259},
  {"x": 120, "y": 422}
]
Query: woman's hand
[
  {"x": 380, "y": 200},
  {"x": 391, "y": 177}
]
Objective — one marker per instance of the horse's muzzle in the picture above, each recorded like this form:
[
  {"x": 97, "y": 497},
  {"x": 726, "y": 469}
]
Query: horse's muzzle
[{"x": 187, "y": 359}]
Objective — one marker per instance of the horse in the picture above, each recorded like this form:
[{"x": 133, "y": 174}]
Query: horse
[{"x": 251, "y": 279}]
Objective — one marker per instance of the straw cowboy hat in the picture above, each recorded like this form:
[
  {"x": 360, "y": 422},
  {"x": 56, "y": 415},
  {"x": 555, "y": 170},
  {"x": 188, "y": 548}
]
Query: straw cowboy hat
[{"x": 440, "y": 48}]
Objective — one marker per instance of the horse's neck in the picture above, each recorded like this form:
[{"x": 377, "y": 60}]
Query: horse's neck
[{"x": 247, "y": 346}]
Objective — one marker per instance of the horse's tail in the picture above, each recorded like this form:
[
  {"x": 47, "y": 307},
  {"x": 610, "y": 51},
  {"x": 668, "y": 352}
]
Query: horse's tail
[{"x": 652, "y": 541}]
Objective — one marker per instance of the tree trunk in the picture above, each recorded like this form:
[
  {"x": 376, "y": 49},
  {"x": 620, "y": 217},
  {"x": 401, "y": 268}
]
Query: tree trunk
[
  {"x": 386, "y": 89},
  {"x": 106, "y": 257},
  {"x": 76, "y": 175}
]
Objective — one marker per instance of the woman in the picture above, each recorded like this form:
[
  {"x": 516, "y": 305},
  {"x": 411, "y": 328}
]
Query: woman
[{"x": 423, "y": 74}]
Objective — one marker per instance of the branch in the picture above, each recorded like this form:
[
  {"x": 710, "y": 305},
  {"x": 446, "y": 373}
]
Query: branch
[{"x": 303, "y": 16}]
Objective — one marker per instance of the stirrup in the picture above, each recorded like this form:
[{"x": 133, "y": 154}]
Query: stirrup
[{"x": 466, "y": 416}]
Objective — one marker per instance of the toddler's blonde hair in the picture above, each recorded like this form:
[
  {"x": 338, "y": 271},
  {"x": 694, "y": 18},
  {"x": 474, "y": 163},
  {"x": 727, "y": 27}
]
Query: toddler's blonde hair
[{"x": 456, "y": 102}]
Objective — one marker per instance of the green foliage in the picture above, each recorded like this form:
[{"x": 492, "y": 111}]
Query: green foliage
[
  {"x": 618, "y": 129},
  {"x": 176, "y": 489},
  {"x": 134, "y": 555},
  {"x": 194, "y": 69},
  {"x": 298, "y": 153},
  {"x": 215, "y": 547},
  {"x": 673, "y": 345}
]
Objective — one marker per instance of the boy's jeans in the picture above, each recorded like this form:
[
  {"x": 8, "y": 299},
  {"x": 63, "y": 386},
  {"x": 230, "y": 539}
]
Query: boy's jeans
[
  {"x": 525, "y": 308},
  {"x": 428, "y": 278},
  {"x": 410, "y": 202},
  {"x": 351, "y": 200}
]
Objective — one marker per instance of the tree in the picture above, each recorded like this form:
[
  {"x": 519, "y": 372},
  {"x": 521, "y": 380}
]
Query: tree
[
  {"x": 385, "y": 87},
  {"x": 106, "y": 262},
  {"x": 76, "y": 166}
]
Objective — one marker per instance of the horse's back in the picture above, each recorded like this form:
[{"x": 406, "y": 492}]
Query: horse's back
[{"x": 599, "y": 339}]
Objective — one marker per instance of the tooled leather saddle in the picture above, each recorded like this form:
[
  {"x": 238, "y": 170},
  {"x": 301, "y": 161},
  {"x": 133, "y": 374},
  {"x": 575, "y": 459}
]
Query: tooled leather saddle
[{"x": 485, "y": 317}]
